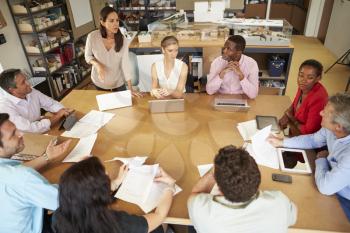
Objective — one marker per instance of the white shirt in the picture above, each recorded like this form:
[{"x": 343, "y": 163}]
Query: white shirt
[
  {"x": 270, "y": 212},
  {"x": 116, "y": 63},
  {"x": 174, "y": 76},
  {"x": 25, "y": 113}
]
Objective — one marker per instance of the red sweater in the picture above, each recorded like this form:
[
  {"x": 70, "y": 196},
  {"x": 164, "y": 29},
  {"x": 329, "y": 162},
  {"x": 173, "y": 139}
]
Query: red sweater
[{"x": 308, "y": 114}]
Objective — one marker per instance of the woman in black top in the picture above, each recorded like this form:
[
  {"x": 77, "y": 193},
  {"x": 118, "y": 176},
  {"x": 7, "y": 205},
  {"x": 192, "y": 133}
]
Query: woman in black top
[{"x": 85, "y": 199}]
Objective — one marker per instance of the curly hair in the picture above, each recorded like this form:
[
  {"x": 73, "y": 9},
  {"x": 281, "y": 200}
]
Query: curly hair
[
  {"x": 239, "y": 41},
  {"x": 236, "y": 174}
]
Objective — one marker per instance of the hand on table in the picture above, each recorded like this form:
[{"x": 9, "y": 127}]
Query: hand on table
[{"x": 164, "y": 177}]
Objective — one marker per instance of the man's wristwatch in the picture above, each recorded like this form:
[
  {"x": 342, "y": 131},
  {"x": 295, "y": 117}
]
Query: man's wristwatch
[{"x": 46, "y": 157}]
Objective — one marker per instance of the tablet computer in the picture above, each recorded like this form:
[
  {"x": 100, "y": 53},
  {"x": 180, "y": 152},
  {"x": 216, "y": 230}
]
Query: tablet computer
[
  {"x": 263, "y": 121},
  {"x": 166, "y": 105},
  {"x": 231, "y": 105},
  {"x": 293, "y": 160}
]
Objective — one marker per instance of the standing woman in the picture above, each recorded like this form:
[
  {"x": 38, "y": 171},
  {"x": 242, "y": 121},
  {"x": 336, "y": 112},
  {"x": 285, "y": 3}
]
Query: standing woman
[
  {"x": 108, "y": 53},
  {"x": 169, "y": 75},
  {"x": 85, "y": 198}
]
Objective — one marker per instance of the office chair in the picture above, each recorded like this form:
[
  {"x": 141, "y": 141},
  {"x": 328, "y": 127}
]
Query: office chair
[{"x": 134, "y": 69}]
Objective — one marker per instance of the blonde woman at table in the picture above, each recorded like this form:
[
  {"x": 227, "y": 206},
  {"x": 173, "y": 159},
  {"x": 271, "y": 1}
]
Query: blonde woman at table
[
  {"x": 108, "y": 53},
  {"x": 85, "y": 198},
  {"x": 169, "y": 75}
]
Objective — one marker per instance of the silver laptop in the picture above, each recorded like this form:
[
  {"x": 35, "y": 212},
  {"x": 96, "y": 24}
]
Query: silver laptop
[
  {"x": 231, "y": 105},
  {"x": 167, "y": 105}
]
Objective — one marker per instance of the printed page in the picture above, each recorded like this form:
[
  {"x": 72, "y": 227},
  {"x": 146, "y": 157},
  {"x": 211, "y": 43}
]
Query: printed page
[
  {"x": 136, "y": 161},
  {"x": 114, "y": 100},
  {"x": 81, "y": 130},
  {"x": 137, "y": 184},
  {"x": 203, "y": 169},
  {"x": 155, "y": 196},
  {"x": 97, "y": 118},
  {"x": 82, "y": 149},
  {"x": 247, "y": 129},
  {"x": 262, "y": 151}
]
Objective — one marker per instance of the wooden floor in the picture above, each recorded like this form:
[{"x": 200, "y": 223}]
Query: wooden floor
[{"x": 306, "y": 48}]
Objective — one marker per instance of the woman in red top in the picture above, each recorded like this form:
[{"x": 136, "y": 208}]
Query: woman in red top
[{"x": 303, "y": 116}]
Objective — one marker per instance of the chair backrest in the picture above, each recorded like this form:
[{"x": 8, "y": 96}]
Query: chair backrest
[
  {"x": 144, "y": 70},
  {"x": 134, "y": 69}
]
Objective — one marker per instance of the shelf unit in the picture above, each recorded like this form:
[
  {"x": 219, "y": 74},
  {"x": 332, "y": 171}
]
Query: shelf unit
[
  {"x": 137, "y": 14},
  {"x": 46, "y": 38}
]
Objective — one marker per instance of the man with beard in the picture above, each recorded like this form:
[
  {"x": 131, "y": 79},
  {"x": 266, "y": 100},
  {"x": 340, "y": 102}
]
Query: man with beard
[{"x": 24, "y": 193}]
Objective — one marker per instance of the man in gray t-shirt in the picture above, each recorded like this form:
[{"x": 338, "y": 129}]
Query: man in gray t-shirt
[{"x": 238, "y": 205}]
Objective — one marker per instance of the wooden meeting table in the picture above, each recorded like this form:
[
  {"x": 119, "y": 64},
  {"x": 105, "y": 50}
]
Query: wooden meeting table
[{"x": 181, "y": 141}]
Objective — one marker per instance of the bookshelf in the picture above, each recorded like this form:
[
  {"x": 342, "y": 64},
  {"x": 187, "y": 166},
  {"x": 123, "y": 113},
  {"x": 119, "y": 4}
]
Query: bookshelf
[{"x": 46, "y": 37}]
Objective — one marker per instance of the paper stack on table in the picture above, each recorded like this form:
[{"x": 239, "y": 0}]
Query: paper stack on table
[
  {"x": 82, "y": 149},
  {"x": 262, "y": 151},
  {"x": 203, "y": 169},
  {"x": 114, "y": 100},
  {"x": 89, "y": 124},
  {"x": 139, "y": 187},
  {"x": 247, "y": 129}
]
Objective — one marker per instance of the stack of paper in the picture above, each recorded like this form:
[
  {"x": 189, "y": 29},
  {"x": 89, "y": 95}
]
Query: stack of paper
[
  {"x": 139, "y": 187},
  {"x": 82, "y": 149},
  {"x": 247, "y": 129},
  {"x": 89, "y": 124},
  {"x": 262, "y": 151},
  {"x": 203, "y": 169},
  {"x": 114, "y": 100}
]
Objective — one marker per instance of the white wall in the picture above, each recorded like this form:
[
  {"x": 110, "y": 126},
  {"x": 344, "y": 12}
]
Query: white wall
[
  {"x": 11, "y": 53},
  {"x": 338, "y": 34}
]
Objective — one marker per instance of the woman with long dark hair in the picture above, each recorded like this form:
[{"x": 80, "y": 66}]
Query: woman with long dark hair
[
  {"x": 108, "y": 53},
  {"x": 85, "y": 199}
]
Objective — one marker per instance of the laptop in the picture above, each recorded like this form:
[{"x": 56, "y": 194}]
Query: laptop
[
  {"x": 231, "y": 105},
  {"x": 167, "y": 105}
]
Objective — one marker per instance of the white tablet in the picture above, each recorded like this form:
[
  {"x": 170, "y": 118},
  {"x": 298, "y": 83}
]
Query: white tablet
[{"x": 293, "y": 160}]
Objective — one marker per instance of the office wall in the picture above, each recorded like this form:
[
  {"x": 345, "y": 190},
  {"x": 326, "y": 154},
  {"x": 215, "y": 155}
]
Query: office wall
[
  {"x": 11, "y": 53},
  {"x": 338, "y": 33}
]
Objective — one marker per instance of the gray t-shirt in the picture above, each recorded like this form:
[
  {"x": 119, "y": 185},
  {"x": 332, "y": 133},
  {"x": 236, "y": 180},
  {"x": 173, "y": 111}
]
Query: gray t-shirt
[
  {"x": 270, "y": 212},
  {"x": 116, "y": 63}
]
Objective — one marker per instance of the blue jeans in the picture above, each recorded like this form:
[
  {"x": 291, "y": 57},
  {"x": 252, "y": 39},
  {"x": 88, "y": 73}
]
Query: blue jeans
[{"x": 345, "y": 204}]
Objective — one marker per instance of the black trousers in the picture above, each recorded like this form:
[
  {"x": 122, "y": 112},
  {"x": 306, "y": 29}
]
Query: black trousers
[{"x": 121, "y": 88}]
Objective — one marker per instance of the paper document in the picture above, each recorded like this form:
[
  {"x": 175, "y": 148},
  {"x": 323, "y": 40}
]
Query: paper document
[
  {"x": 82, "y": 149},
  {"x": 139, "y": 187},
  {"x": 97, "y": 118},
  {"x": 89, "y": 124},
  {"x": 203, "y": 169},
  {"x": 81, "y": 130},
  {"x": 262, "y": 151},
  {"x": 136, "y": 161},
  {"x": 247, "y": 129},
  {"x": 137, "y": 184},
  {"x": 114, "y": 100}
]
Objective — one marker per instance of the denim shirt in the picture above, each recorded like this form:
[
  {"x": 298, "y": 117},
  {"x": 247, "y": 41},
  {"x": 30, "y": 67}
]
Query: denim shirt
[
  {"x": 24, "y": 193},
  {"x": 332, "y": 174}
]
